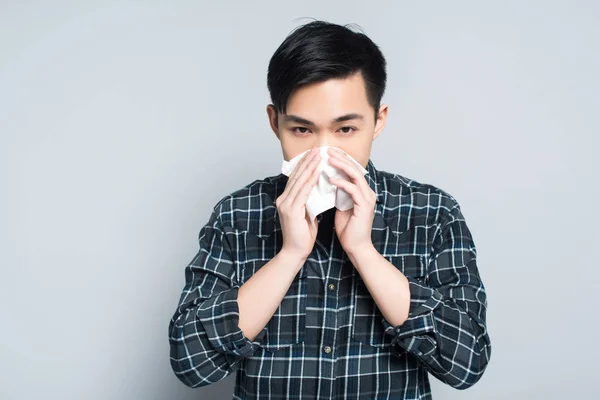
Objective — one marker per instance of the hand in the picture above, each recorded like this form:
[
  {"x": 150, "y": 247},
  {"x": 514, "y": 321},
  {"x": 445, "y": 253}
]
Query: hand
[
  {"x": 353, "y": 227},
  {"x": 299, "y": 234}
]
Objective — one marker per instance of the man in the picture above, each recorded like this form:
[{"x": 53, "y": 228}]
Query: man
[{"x": 364, "y": 303}]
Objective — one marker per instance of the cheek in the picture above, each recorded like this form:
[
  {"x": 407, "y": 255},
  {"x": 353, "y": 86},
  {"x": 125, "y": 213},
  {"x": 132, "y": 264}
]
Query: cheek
[{"x": 292, "y": 148}]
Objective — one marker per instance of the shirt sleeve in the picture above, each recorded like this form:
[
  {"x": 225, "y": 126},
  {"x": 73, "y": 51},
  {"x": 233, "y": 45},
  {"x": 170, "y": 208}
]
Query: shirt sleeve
[
  {"x": 446, "y": 326},
  {"x": 206, "y": 344}
]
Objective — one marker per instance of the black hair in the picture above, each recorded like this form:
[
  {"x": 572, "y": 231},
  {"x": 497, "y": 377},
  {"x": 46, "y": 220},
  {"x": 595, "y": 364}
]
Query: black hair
[{"x": 319, "y": 51}]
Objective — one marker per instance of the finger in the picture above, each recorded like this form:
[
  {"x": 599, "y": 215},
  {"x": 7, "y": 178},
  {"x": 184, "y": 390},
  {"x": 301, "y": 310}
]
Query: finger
[
  {"x": 296, "y": 172},
  {"x": 352, "y": 189},
  {"x": 342, "y": 162},
  {"x": 306, "y": 157},
  {"x": 311, "y": 168},
  {"x": 302, "y": 196}
]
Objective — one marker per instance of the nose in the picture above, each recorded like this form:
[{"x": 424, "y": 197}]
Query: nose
[
  {"x": 326, "y": 140},
  {"x": 322, "y": 141}
]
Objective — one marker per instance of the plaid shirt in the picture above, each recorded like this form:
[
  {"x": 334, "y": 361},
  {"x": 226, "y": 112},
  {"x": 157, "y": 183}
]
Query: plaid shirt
[{"x": 328, "y": 338}]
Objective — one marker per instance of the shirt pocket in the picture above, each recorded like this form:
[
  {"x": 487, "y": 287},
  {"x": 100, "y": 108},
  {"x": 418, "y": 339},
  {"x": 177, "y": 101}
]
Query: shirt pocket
[
  {"x": 367, "y": 319},
  {"x": 288, "y": 325}
]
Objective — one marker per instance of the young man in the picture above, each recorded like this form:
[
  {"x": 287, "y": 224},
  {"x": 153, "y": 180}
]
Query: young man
[{"x": 364, "y": 303}]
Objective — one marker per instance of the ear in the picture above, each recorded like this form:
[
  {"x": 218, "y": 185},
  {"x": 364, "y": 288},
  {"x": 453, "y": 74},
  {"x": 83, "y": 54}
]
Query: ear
[
  {"x": 381, "y": 119},
  {"x": 273, "y": 119}
]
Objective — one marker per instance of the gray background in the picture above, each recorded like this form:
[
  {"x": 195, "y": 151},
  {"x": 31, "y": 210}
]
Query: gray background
[{"x": 122, "y": 124}]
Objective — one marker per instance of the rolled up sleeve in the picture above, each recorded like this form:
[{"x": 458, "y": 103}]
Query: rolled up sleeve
[
  {"x": 446, "y": 326},
  {"x": 206, "y": 343}
]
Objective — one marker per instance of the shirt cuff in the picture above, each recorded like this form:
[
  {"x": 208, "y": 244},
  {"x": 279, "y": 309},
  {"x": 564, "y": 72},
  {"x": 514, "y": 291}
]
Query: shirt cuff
[
  {"x": 220, "y": 316},
  {"x": 416, "y": 334}
]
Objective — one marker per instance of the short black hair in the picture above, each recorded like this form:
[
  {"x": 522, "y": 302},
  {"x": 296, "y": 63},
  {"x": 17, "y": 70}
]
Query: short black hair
[{"x": 319, "y": 51}]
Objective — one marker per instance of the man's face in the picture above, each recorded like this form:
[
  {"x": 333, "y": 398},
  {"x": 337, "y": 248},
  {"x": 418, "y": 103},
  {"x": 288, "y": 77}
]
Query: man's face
[{"x": 311, "y": 116}]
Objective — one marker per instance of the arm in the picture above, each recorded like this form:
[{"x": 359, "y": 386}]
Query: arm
[
  {"x": 441, "y": 319},
  {"x": 259, "y": 298},
  {"x": 216, "y": 322},
  {"x": 387, "y": 285}
]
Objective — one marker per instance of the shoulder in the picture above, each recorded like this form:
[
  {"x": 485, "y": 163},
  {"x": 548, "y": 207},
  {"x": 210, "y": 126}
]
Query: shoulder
[
  {"x": 252, "y": 207},
  {"x": 430, "y": 202}
]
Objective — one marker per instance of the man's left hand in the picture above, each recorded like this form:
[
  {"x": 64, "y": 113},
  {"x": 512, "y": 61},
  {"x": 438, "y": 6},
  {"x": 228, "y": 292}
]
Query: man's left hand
[{"x": 353, "y": 227}]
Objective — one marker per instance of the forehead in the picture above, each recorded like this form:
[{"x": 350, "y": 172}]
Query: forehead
[{"x": 322, "y": 100}]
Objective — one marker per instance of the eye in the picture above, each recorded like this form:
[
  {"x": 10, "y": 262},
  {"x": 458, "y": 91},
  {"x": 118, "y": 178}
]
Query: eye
[
  {"x": 300, "y": 130},
  {"x": 348, "y": 127}
]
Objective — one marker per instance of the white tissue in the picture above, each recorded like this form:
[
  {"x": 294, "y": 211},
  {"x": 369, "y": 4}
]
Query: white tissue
[{"x": 324, "y": 195}]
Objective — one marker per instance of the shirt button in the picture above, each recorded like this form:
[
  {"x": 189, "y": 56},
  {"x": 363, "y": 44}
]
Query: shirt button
[
  {"x": 331, "y": 287},
  {"x": 327, "y": 349}
]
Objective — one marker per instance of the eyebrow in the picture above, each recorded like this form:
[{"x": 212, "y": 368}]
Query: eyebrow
[{"x": 300, "y": 120}]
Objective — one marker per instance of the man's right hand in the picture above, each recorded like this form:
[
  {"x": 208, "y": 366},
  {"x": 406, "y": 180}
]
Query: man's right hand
[
  {"x": 299, "y": 234},
  {"x": 258, "y": 298}
]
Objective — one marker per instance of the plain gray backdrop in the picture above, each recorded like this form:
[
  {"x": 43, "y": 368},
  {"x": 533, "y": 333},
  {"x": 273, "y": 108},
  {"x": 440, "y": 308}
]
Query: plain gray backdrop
[{"x": 123, "y": 123}]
